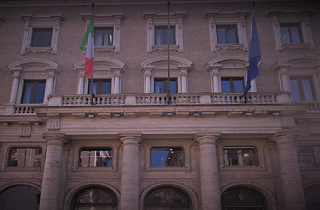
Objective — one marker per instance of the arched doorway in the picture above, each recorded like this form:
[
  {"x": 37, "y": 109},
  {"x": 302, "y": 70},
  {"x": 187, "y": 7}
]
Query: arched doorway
[
  {"x": 243, "y": 198},
  {"x": 20, "y": 197},
  {"x": 167, "y": 198},
  {"x": 94, "y": 198}
]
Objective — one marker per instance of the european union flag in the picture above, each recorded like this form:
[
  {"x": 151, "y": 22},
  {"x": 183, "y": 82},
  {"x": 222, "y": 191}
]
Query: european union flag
[{"x": 254, "y": 56}]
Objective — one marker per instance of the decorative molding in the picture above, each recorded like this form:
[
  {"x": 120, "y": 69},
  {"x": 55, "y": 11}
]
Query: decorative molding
[
  {"x": 41, "y": 21},
  {"x": 314, "y": 128},
  {"x": 287, "y": 122},
  {"x": 113, "y": 20}
]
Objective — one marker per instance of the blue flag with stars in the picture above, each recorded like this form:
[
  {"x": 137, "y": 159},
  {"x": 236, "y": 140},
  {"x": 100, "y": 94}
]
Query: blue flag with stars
[{"x": 254, "y": 56}]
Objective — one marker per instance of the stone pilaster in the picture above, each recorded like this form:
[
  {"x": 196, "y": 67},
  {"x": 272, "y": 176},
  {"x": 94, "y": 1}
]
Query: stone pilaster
[
  {"x": 292, "y": 188},
  {"x": 209, "y": 177},
  {"x": 130, "y": 172},
  {"x": 50, "y": 188}
]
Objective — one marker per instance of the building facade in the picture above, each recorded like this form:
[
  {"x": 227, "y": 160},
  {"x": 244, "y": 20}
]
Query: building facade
[{"x": 133, "y": 146}]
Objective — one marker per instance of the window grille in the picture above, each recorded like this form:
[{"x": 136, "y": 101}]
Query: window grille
[{"x": 243, "y": 197}]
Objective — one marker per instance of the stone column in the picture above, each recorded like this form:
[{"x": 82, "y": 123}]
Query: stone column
[
  {"x": 290, "y": 173},
  {"x": 148, "y": 83},
  {"x": 50, "y": 188},
  {"x": 209, "y": 176},
  {"x": 215, "y": 80},
  {"x": 116, "y": 84},
  {"x": 130, "y": 172},
  {"x": 14, "y": 90},
  {"x": 183, "y": 83},
  {"x": 285, "y": 80},
  {"x": 80, "y": 84}
]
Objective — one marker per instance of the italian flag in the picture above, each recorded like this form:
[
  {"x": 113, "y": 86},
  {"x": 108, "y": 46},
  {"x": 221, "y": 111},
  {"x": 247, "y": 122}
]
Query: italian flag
[{"x": 87, "y": 45}]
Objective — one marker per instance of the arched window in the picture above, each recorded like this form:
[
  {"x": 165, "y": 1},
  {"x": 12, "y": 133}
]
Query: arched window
[
  {"x": 20, "y": 197},
  {"x": 167, "y": 198},
  {"x": 241, "y": 197},
  {"x": 98, "y": 198}
]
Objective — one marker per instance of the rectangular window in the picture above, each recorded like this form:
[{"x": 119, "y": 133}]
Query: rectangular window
[
  {"x": 167, "y": 156},
  {"x": 33, "y": 92},
  {"x": 103, "y": 36},
  {"x": 41, "y": 37},
  {"x": 161, "y": 85},
  {"x": 95, "y": 157},
  {"x": 21, "y": 157},
  {"x": 290, "y": 33},
  {"x": 302, "y": 89},
  {"x": 161, "y": 35},
  {"x": 240, "y": 156},
  {"x": 308, "y": 156},
  {"x": 227, "y": 34},
  {"x": 232, "y": 85},
  {"x": 100, "y": 86}
]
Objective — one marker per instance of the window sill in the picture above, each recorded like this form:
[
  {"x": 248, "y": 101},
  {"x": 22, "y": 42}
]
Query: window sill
[
  {"x": 104, "y": 48},
  {"x": 38, "y": 49},
  {"x": 242, "y": 168},
  {"x": 164, "y": 47},
  {"x": 296, "y": 46},
  {"x": 24, "y": 169},
  {"x": 230, "y": 47},
  {"x": 94, "y": 169},
  {"x": 178, "y": 168}
]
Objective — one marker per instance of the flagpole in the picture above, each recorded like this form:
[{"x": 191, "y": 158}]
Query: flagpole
[
  {"x": 91, "y": 79},
  {"x": 168, "y": 40}
]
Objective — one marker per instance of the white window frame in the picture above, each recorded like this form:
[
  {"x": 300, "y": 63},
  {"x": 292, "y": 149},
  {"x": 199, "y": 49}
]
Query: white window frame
[
  {"x": 41, "y": 21},
  {"x": 228, "y": 66},
  {"x": 158, "y": 68},
  {"x": 302, "y": 18},
  {"x": 224, "y": 18},
  {"x": 113, "y": 20},
  {"x": 299, "y": 66},
  {"x": 32, "y": 69},
  {"x": 161, "y": 19},
  {"x": 104, "y": 68}
]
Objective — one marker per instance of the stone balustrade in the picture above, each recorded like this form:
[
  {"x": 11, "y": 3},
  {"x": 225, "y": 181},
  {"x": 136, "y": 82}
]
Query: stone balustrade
[{"x": 161, "y": 99}]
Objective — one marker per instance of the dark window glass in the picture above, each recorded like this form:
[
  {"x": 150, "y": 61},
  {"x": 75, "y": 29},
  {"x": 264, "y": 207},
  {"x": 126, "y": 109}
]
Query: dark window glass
[
  {"x": 290, "y": 33},
  {"x": 95, "y": 157},
  {"x": 160, "y": 85},
  {"x": 20, "y": 197},
  {"x": 232, "y": 85},
  {"x": 302, "y": 89},
  {"x": 103, "y": 36},
  {"x": 308, "y": 155},
  {"x": 33, "y": 92},
  {"x": 227, "y": 34},
  {"x": 240, "y": 156},
  {"x": 167, "y": 156},
  {"x": 161, "y": 33},
  {"x": 41, "y": 37},
  {"x": 100, "y": 86},
  {"x": 24, "y": 157}
]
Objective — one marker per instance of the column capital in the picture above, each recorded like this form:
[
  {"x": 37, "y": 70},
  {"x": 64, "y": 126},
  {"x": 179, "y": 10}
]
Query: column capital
[
  {"x": 282, "y": 137},
  {"x": 130, "y": 138},
  {"x": 55, "y": 138},
  {"x": 207, "y": 137}
]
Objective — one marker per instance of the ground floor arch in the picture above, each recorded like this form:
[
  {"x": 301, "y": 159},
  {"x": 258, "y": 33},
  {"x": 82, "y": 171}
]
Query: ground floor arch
[
  {"x": 94, "y": 198},
  {"x": 19, "y": 197}
]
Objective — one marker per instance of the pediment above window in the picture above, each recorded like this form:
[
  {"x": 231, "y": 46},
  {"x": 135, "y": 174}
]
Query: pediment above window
[
  {"x": 228, "y": 62},
  {"x": 298, "y": 63},
  {"x": 37, "y": 66},
  {"x": 161, "y": 63}
]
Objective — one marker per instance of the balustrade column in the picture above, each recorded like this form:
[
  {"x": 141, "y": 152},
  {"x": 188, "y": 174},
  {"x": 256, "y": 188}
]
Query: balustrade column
[
  {"x": 50, "y": 188},
  {"x": 209, "y": 176},
  {"x": 290, "y": 173},
  {"x": 14, "y": 90},
  {"x": 130, "y": 173}
]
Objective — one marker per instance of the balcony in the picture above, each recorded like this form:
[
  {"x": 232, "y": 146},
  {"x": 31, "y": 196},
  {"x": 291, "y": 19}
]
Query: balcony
[{"x": 117, "y": 100}]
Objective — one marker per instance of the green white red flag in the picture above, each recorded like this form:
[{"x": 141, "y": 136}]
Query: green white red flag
[{"x": 87, "y": 45}]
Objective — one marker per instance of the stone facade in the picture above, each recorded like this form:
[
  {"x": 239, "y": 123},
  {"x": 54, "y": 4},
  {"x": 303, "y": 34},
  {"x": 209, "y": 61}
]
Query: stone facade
[{"x": 221, "y": 149}]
